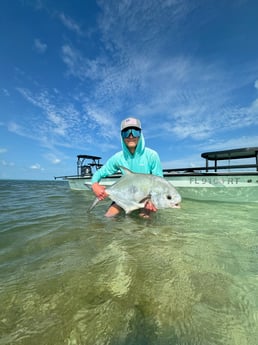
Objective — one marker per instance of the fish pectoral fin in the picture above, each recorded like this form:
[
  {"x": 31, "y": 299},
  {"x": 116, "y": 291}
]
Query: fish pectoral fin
[{"x": 145, "y": 199}]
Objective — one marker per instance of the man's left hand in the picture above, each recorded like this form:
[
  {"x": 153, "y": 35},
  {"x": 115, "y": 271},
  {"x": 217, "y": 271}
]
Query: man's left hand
[{"x": 150, "y": 206}]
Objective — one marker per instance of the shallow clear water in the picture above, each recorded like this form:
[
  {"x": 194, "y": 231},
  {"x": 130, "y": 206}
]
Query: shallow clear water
[{"x": 184, "y": 277}]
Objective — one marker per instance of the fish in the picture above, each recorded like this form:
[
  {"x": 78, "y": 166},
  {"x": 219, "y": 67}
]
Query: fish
[{"x": 133, "y": 190}]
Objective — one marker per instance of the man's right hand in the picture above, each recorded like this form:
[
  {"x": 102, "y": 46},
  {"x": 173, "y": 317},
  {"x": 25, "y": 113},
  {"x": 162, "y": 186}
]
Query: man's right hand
[{"x": 99, "y": 191}]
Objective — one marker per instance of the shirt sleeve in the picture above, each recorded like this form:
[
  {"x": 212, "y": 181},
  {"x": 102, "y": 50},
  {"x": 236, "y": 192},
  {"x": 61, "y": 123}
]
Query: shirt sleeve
[
  {"x": 109, "y": 168},
  {"x": 156, "y": 167}
]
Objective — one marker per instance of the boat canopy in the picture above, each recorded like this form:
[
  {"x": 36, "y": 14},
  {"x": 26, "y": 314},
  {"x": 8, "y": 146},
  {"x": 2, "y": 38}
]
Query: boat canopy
[
  {"x": 88, "y": 157},
  {"x": 215, "y": 156},
  {"x": 247, "y": 152},
  {"x": 86, "y": 169}
]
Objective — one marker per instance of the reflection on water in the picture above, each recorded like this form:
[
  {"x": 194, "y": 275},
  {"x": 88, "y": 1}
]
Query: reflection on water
[{"x": 184, "y": 277}]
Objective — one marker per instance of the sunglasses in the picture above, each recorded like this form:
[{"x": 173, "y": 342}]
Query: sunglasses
[{"x": 136, "y": 133}]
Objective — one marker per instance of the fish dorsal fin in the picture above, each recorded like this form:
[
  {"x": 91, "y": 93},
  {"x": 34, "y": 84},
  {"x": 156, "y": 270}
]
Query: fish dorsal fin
[{"x": 126, "y": 170}]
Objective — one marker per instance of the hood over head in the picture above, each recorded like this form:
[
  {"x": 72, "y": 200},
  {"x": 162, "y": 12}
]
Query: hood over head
[{"x": 133, "y": 123}]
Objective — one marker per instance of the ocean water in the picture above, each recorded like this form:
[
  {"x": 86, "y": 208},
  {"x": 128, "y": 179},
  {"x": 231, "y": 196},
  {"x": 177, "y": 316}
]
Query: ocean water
[{"x": 183, "y": 277}]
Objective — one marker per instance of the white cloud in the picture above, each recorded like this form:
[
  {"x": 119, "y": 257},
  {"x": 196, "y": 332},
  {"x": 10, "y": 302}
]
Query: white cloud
[
  {"x": 52, "y": 158},
  {"x": 233, "y": 143},
  {"x": 7, "y": 164},
  {"x": 40, "y": 46},
  {"x": 60, "y": 123},
  {"x": 101, "y": 121},
  {"x": 5, "y": 92},
  {"x": 143, "y": 73},
  {"x": 15, "y": 128},
  {"x": 192, "y": 96},
  {"x": 36, "y": 166},
  {"x": 70, "y": 24},
  {"x": 56, "y": 161},
  {"x": 3, "y": 150},
  {"x": 82, "y": 67},
  {"x": 59, "y": 118}
]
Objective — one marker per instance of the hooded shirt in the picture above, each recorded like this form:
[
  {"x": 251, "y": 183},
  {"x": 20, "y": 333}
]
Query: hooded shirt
[{"x": 144, "y": 160}]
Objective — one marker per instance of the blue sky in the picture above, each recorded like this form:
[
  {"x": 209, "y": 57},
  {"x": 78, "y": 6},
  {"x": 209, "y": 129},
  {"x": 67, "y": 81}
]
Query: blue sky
[{"x": 70, "y": 71}]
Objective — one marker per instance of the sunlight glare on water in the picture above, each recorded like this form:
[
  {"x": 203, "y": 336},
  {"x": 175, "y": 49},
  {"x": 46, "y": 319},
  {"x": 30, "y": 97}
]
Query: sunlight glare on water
[{"x": 184, "y": 277}]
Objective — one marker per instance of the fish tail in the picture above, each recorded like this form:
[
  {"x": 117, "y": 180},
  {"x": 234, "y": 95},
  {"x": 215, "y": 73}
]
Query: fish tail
[{"x": 94, "y": 204}]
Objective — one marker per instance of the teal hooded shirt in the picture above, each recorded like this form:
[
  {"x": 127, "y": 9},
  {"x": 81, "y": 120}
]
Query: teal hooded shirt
[{"x": 144, "y": 160}]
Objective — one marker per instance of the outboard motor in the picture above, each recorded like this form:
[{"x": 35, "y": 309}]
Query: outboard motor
[{"x": 86, "y": 170}]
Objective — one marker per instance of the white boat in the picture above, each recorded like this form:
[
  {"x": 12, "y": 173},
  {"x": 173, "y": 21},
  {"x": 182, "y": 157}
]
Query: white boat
[{"x": 216, "y": 182}]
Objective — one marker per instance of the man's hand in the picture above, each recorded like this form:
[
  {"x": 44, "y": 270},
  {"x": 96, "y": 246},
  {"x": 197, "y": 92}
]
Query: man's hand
[
  {"x": 99, "y": 191},
  {"x": 150, "y": 206}
]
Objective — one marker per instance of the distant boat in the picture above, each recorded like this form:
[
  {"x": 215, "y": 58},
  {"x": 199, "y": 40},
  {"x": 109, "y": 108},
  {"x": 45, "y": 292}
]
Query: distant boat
[{"x": 219, "y": 182}]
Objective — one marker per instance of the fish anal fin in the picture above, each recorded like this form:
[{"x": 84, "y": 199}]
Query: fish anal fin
[{"x": 127, "y": 205}]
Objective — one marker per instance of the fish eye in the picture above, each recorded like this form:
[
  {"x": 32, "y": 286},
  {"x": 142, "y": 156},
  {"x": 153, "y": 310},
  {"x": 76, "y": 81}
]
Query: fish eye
[{"x": 169, "y": 197}]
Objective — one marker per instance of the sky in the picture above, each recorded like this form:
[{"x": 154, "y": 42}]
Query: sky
[{"x": 72, "y": 70}]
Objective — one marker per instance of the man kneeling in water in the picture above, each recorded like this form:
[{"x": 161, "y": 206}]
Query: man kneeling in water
[{"x": 134, "y": 156}]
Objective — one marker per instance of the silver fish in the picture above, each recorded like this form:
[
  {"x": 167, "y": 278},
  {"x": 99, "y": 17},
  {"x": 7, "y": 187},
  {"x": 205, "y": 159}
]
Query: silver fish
[{"x": 132, "y": 190}]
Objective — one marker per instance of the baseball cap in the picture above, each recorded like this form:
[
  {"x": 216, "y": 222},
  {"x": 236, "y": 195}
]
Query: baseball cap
[{"x": 130, "y": 122}]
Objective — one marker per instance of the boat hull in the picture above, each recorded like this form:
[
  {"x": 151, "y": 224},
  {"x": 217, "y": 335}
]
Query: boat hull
[{"x": 235, "y": 187}]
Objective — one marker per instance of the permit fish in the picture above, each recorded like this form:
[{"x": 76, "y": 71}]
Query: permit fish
[{"x": 133, "y": 190}]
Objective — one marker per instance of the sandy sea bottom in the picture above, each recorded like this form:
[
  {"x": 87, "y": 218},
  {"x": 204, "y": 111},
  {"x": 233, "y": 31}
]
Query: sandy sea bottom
[{"x": 184, "y": 277}]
